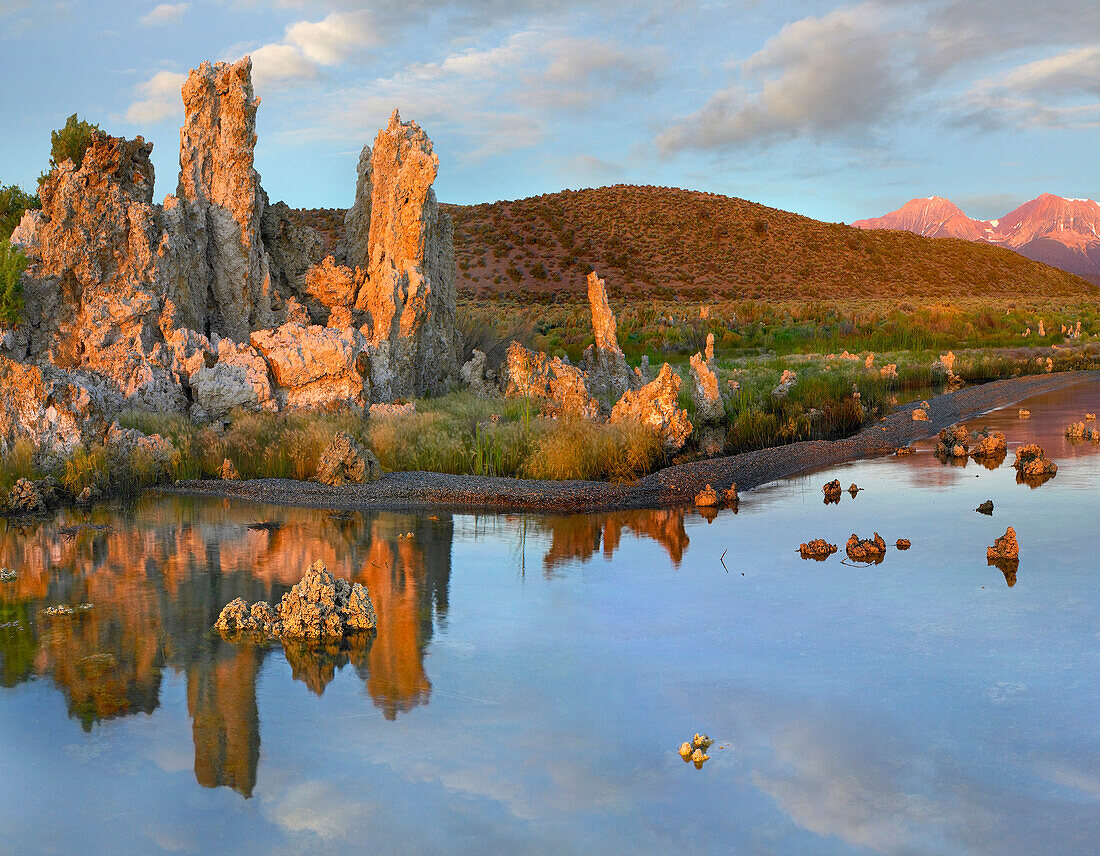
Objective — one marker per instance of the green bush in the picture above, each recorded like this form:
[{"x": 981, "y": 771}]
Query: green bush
[
  {"x": 12, "y": 265},
  {"x": 13, "y": 202},
  {"x": 70, "y": 142}
]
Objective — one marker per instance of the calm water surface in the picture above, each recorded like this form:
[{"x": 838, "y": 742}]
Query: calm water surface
[{"x": 533, "y": 676}]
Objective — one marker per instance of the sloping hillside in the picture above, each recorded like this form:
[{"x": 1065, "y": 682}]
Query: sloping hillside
[{"x": 662, "y": 242}]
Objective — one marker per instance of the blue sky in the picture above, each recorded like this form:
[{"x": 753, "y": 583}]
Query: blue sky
[{"x": 833, "y": 110}]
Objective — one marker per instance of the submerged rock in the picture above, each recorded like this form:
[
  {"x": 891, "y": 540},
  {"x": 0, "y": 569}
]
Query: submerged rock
[
  {"x": 347, "y": 462},
  {"x": 870, "y": 550},
  {"x": 819, "y": 550},
  {"x": 319, "y": 606}
]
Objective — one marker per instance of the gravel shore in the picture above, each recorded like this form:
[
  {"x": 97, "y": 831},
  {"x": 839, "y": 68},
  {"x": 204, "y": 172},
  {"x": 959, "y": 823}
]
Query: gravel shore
[{"x": 672, "y": 486}]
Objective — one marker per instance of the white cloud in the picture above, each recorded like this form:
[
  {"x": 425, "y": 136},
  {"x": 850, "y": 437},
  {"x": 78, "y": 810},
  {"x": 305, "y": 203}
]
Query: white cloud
[
  {"x": 277, "y": 64},
  {"x": 1067, "y": 72},
  {"x": 334, "y": 39},
  {"x": 165, "y": 13},
  {"x": 307, "y": 46},
  {"x": 819, "y": 76},
  {"x": 159, "y": 99}
]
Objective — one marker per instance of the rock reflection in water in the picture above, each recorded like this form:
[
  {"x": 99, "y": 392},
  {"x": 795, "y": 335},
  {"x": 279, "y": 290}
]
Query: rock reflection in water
[
  {"x": 578, "y": 537},
  {"x": 158, "y": 584}
]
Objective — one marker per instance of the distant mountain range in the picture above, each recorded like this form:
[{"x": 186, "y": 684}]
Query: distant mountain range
[{"x": 1063, "y": 233}]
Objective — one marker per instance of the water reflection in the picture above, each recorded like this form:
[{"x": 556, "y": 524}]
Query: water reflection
[
  {"x": 157, "y": 579},
  {"x": 159, "y": 575}
]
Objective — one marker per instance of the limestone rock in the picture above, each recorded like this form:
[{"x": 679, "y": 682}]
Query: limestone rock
[
  {"x": 228, "y": 471},
  {"x": 903, "y": 544},
  {"x": 25, "y": 498},
  {"x": 313, "y": 366},
  {"x": 239, "y": 378},
  {"x": 25, "y": 234},
  {"x": 409, "y": 294},
  {"x": 1032, "y": 464},
  {"x": 707, "y": 497},
  {"x": 985, "y": 508},
  {"x": 91, "y": 302},
  {"x": 786, "y": 384},
  {"x": 329, "y": 292},
  {"x": 990, "y": 446},
  {"x": 228, "y": 289},
  {"x": 871, "y": 550},
  {"x": 47, "y": 407},
  {"x": 1024, "y": 414},
  {"x": 347, "y": 462},
  {"x": 357, "y": 220},
  {"x": 559, "y": 388},
  {"x": 605, "y": 365},
  {"x": 819, "y": 550},
  {"x": 920, "y": 414},
  {"x": 125, "y": 443},
  {"x": 832, "y": 491},
  {"x": 709, "y": 409},
  {"x": 1005, "y": 547},
  {"x": 318, "y": 607},
  {"x": 475, "y": 375},
  {"x": 292, "y": 249},
  {"x": 1075, "y": 431},
  {"x": 656, "y": 406},
  {"x": 954, "y": 442},
  {"x": 389, "y": 411}
]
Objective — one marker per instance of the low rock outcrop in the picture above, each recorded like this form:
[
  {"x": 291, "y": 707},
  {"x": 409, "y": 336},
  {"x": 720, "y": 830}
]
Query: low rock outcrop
[
  {"x": 656, "y": 406},
  {"x": 832, "y": 491},
  {"x": 347, "y": 462},
  {"x": 313, "y": 367},
  {"x": 786, "y": 384},
  {"x": 709, "y": 409},
  {"x": 559, "y": 388},
  {"x": 707, "y": 497},
  {"x": 985, "y": 507},
  {"x": 867, "y": 550},
  {"x": 25, "y": 498},
  {"x": 318, "y": 607}
]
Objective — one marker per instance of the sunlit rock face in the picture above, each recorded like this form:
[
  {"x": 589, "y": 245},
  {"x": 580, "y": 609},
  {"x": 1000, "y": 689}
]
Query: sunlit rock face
[
  {"x": 92, "y": 304},
  {"x": 223, "y": 285},
  {"x": 409, "y": 296},
  {"x": 656, "y": 406},
  {"x": 557, "y": 387}
]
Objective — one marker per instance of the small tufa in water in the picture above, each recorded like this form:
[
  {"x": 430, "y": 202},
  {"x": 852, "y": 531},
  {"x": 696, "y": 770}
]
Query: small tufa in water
[
  {"x": 6, "y": 575},
  {"x": 696, "y": 750}
]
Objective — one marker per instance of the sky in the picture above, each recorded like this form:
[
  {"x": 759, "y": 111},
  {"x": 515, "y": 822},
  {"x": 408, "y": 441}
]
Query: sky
[{"x": 836, "y": 111}]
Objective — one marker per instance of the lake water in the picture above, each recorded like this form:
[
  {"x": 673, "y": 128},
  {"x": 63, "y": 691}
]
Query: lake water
[{"x": 533, "y": 677}]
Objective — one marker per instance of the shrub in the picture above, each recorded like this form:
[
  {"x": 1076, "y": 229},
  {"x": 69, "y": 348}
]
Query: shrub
[
  {"x": 13, "y": 202},
  {"x": 12, "y": 265},
  {"x": 71, "y": 142}
]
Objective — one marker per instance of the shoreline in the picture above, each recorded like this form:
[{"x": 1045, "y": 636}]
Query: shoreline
[{"x": 676, "y": 485}]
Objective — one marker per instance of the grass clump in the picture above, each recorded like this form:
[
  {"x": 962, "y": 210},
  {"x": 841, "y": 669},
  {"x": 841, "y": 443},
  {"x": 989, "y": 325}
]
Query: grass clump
[
  {"x": 17, "y": 463},
  {"x": 576, "y": 449}
]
